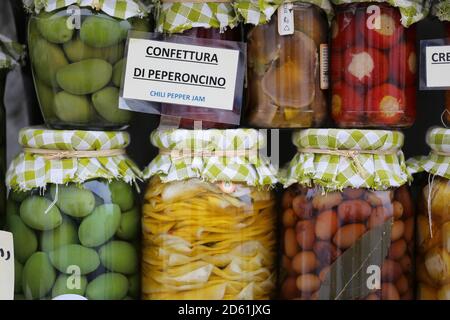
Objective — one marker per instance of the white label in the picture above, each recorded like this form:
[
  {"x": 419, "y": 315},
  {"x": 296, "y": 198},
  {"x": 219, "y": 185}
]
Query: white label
[
  {"x": 6, "y": 266},
  {"x": 175, "y": 73},
  {"x": 438, "y": 66},
  {"x": 324, "y": 67},
  {"x": 286, "y": 19}
]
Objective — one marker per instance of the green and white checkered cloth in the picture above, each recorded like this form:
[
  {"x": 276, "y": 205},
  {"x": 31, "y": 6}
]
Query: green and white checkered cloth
[
  {"x": 11, "y": 53},
  {"x": 411, "y": 11},
  {"x": 258, "y": 12},
  {"x": 28, "y": 171},
  {"x": 122, "y": 9},
  {"x": 335, "y": 172},
  {"x": 179, "y": 17},
  {"x": 438, "y": 161},
  {"x": 251, "y": 169},
  {"x": 441, "y": 9}
]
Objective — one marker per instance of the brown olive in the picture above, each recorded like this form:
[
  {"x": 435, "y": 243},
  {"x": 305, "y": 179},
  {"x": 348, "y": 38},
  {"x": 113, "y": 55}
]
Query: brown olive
[
  {"x": 390, "y": 271},
  {"x": 389, "y": 292},
  {"x": 305, "y": 234},
  {"x": 289, "y": 288},
  {"x": 289, "y": 218},
  {"x": 304, "y": 262},
  {"x": 326, "y": 225},
  {"x": 308, "y": 283},
  {"x": 347, "y": 235},
  {"x": 354, "y": 211},
  {"x": 397, "y": 249},
  {"x": 398, "y": 229},
  {"x": 290, "y": 243},
  {"x": 302, "y": 207}
]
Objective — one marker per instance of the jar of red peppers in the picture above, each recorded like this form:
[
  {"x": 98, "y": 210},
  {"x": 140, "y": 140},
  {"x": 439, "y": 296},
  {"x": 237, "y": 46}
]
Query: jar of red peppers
[
  {"x": 206, "y": 20},
  {"x": 287, "y": 67},
  {"x": 347, "y": 218},
  {"x": 374, "y": 64},
  {"x": 433, "y": 220}
]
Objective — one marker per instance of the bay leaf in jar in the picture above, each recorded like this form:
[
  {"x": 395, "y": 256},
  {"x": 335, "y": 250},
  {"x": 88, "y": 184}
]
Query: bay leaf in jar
[
  {"x": 347, "y": 278},
  {"x": 290, "y": 81}
]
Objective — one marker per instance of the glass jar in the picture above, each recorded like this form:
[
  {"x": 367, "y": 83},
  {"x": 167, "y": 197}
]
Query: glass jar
[
  {"x": 447, "y": 93},
  {"x": 206, "y": 241},
  {"x": 347, "y": 219},
  {"x": 202, "y": 20},
  {"x": 209, "y": 217},
  {"x": 433, "y": 241},
  {"x": 77, "y": 63},
  {"x": 210, "y": 118},
  {"x": 76, "y": 239},
  {"x": 433, "y": 220},
  {"x": 286, "y": 86},
  {"x": 374, "y": 67},
  {"x": 74, "y": 215},
  {"x": 3, "y": 73},
  {"x": 318, "y": 229}
]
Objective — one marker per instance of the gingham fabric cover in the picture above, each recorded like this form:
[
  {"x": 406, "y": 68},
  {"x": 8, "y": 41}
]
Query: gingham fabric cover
[
  {"x": 251, "y": 170},
  {"x": 411, "y": 11},
  {"x": 439, "y": 140},
  {"x": 122, "y": 9},
  {"x": 334, "y": 172},
  {"x": 11, "y": 53},
  {"x": 260, "y": 11},
  {"x": 28, "y": 171},
  {"x": 179, "y": 17},
  {"x": 441, "y": 9}
]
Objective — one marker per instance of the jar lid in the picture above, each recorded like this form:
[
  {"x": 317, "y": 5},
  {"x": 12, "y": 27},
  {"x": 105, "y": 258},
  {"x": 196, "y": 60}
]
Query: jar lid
[
  {"x": 212, "y": 155},
  {"x": 260, "y": 12},
  {"x": 122, "y": 9},
  {"x": 177, "y": 17},
  {"x": 63, "y": 156},
  {"x": 11, "y": 53},
  {"x": 412, "y": 11},
  {"x": 438, "y": 160},
  {"x": 338, "y": 158},
  {"x": 441, "y": 9}
]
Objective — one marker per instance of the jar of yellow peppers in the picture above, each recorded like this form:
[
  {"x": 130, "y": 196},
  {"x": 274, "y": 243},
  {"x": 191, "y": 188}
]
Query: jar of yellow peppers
[
  {"x": 433, "y": 220},
  {"x": 209, "y": 217}
]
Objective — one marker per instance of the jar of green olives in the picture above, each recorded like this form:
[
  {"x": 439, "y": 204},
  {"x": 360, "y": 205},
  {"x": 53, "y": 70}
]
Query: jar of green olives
[
  {"x": 77, "y": 60},
  {"x": 74, "y": 215}
]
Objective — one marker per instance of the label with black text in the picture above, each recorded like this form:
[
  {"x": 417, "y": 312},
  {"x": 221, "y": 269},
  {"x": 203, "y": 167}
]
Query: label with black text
[
  {"x": 6, "y": 266},
  {"x": 176, "y": 73},
  {"x": 437, "y": 66}
]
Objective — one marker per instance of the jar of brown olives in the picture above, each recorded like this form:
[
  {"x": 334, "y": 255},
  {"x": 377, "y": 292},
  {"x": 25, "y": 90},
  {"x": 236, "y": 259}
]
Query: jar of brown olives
[{"x": 347, "y": 218}]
